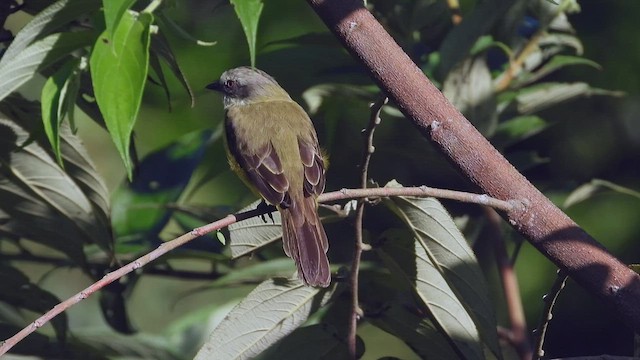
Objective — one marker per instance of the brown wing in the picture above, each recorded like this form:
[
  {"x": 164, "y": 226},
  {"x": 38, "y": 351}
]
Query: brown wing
[
  {"x": 314, "y": 177},
  {"x": 263, "y": 169}
]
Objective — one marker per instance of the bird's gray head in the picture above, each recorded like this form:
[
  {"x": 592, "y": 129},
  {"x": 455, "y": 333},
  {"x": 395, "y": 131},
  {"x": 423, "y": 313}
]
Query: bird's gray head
[{"x": 245, "y": 84}]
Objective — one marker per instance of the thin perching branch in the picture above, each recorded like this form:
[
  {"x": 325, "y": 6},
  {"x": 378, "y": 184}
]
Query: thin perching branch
[
  {"x": 356, "y": 311},
  {"x": 546, "y": 227},
  {"x": 343, "y": 194}
]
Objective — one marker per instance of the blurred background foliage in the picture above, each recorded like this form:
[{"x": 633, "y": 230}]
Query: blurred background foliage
[{"x": 560, "y": 136}]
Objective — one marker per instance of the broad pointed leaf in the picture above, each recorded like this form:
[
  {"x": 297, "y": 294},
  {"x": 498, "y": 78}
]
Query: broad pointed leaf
[{"x": 119, "y": 67}]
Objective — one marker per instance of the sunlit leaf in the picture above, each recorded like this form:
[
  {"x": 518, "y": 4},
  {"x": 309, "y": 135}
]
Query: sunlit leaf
[
  {"x": 270, "y": 312},
  {"x": 119, "y": 67},
  {"x": 113, "y": 12},
  {"x": 248, "y": 11}
]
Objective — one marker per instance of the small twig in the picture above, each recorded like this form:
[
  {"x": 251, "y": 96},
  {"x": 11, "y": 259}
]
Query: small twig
[
  {"x": 230, "y": 219},
  {"x": 356, "y": 311},
  {"x": 549, "y": 301},
  {"x": 517, "y": 334}
]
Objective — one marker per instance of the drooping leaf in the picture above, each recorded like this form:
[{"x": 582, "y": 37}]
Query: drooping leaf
[
  {"x": 169, "y": 25},
  {"x": 595, "y": 187},
  {"x": 53, "y": 17},
  {"x": 17, "y": 290},
  {"x": 408, "y": 260},
  {"x": 438, "y": 237},
  {"x": 113, "y": 12},
  {"x": 248, "y": 235},
  {"x": 270, "y": 312},
  {"x": 119, "y": 67},
  {"x": 45, "y": 205},
  {"x": 55, "y": 105},
  {"x": 248, "y": 11},
  {"x": 19, "y": 69},
  {"x": 160, "y": 47}
]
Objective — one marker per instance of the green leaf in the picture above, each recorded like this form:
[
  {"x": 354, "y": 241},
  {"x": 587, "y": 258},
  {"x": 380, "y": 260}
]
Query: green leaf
[
  {"x": 248, "y": 11},
  {"x": 438, "y": 238},
  {"x": 50, "y": 19},
  {"x": 119, "y": 68},
  {"x": 21, "y": 68},
  {"x": 408, "y": 260},
  {"x": 270, "y": 312},
  {"x": 248, "y": 235},
  {"x": 113, "y": 12},
  {"x": 55, "y": 105}
]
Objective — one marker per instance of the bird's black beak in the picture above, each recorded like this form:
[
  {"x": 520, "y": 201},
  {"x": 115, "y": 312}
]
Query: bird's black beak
[{"x": 215, "y": 86}]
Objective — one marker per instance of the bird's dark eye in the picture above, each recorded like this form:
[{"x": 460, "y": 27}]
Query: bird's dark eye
[{"x": 229, "y": 84}]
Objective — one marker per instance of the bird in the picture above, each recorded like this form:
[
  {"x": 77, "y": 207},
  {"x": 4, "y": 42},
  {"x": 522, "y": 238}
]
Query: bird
[{"x": 273, "y": 146}]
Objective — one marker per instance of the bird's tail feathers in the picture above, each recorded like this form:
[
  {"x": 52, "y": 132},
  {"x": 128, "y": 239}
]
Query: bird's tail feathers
[{"x": 305, "y": 241}]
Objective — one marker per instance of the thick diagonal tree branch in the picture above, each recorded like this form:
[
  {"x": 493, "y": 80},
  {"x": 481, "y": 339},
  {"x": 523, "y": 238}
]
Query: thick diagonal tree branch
[{"x": 541, "y": 222}]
